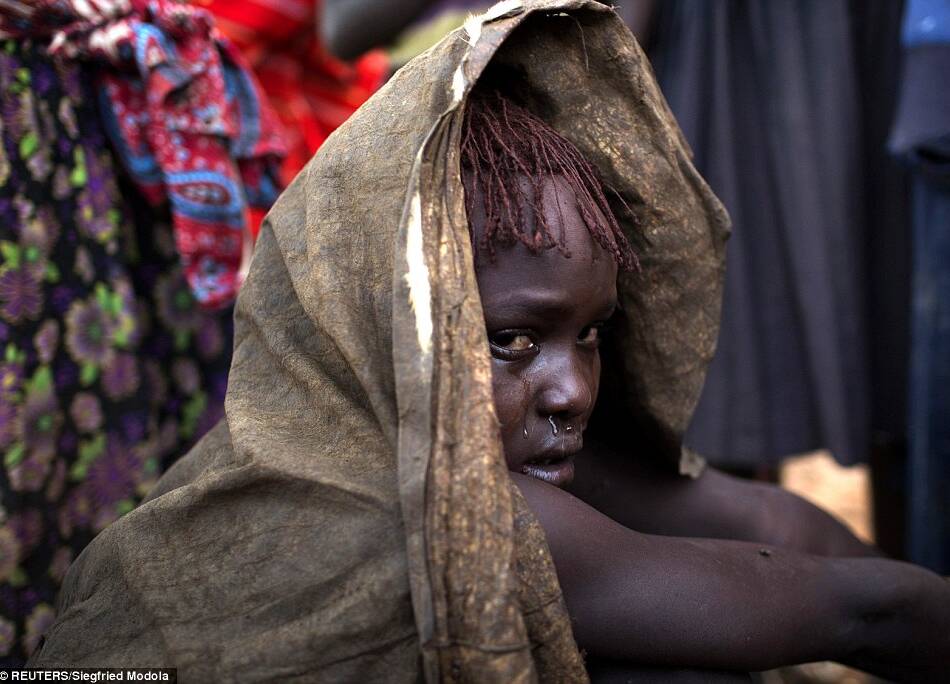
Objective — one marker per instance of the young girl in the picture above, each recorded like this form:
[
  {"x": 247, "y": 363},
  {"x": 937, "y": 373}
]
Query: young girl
[
  {"x": 354, "y": 518},
  {"x": 547, "y": 254}
]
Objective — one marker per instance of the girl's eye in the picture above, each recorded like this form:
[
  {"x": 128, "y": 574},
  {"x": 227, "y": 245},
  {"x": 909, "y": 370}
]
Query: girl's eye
[
  {"x": 590, "y": 336},
  {"x": 509, "y": 344}
]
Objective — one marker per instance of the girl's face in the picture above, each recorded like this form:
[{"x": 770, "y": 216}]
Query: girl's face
[{"x": 544, "y": 315}]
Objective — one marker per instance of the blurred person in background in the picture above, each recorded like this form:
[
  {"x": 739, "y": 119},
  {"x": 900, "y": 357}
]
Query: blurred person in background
[
  {"x": 405, "y": 28},
  {"x": 786, "y": 105},
  {"x": 312, "y": 91},
  {"x": 119, "y": 267},
  {"x": 921, "y": 137}
]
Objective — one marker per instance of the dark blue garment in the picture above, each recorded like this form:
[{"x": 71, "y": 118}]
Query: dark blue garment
[
  {"x": 921, "y": 138},
  {"x": 786, "y": 106},
  {"x": 929, "y": 420}
]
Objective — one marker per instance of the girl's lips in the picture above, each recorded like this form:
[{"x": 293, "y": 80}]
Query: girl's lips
[
  {"x": 558, "y": 471},
  {"x": 554, "y": 460}
]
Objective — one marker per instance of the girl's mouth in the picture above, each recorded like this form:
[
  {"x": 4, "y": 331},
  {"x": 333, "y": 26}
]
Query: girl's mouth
[{"x": 555, "y": 470}]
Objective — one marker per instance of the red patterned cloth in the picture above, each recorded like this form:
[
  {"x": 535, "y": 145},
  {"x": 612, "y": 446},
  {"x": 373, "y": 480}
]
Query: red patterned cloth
[
  {"x": 311, "y": 91},
  {"x": 185, "y": 116}
]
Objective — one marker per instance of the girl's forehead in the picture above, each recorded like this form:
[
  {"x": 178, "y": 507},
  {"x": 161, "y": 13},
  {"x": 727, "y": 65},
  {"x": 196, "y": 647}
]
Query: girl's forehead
[
  {"x": 553, "y": 278},
  {"x": 561, "y": 212}
]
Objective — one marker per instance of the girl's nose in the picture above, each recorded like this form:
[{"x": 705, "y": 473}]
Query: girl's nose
[{"x": 566, "y": 390}]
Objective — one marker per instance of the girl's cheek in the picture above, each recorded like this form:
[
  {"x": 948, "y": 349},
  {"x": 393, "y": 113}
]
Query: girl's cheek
[
  {"x": 512, "y": 393},
  {"x": 507, "y": 403}
]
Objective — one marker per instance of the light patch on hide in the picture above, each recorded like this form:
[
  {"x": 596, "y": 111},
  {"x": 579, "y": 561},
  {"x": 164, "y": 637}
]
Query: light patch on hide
[
  {"x": 417, "y": 278},
  {"x": 502, "y": 9},
  {"x": 473, "y": 29},
  {"x": 458, "y": 85}
]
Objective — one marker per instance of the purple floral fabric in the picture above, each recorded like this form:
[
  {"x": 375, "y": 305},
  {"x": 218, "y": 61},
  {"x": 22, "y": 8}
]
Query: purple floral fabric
[{"x": 108, "y": 368}]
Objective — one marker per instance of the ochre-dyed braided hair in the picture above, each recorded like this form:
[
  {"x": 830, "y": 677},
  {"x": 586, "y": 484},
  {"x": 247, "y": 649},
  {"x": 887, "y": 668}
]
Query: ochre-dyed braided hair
[{"x": 507, "y": 153}]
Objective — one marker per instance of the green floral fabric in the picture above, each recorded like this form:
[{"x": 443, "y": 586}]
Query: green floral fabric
[{"x": 108, "y": 369}]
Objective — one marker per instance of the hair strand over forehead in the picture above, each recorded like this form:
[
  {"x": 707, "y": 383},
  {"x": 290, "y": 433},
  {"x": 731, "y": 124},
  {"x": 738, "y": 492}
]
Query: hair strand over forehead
[{"x": 507, "y": 154}]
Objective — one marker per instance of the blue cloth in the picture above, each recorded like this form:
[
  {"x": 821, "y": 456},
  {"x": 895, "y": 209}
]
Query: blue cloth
[{"x": 926, "y": 22}]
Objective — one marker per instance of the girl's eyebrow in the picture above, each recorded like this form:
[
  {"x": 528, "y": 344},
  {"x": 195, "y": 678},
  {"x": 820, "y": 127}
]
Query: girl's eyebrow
[{"x": 540, "y": 303}]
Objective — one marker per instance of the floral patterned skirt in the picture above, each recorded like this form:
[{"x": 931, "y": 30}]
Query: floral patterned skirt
[{"x": 108, "y": 369}]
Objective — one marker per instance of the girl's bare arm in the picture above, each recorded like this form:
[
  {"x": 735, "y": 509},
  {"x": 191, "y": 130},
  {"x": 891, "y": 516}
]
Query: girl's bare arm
[
  {"x": 642, "y": 496},
  {"x": 737, "y": 605}
]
